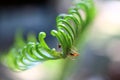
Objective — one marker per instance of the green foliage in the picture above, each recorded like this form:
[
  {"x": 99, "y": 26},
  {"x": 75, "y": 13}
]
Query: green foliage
[{"x": 69, "y": 28}]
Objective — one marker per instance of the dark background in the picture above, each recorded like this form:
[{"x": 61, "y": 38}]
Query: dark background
[{"x": 30, "y": 16}]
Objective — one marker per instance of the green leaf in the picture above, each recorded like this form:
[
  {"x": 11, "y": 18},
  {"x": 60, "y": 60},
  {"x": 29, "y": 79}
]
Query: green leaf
[{"x": 70, "y": 28}]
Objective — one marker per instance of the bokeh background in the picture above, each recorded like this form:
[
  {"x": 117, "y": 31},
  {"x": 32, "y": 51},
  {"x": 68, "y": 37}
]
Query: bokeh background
[{"x": 100, "y": 59}]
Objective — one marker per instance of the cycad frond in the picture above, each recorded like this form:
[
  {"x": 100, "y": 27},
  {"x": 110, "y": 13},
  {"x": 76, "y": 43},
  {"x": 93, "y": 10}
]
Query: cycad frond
[{"x": 69, "y": 27}]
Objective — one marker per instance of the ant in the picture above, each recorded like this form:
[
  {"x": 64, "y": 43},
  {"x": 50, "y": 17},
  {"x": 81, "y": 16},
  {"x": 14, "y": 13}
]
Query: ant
[
  {"x": 59, "y": 45},
  {"x": 73, "y": 53}
]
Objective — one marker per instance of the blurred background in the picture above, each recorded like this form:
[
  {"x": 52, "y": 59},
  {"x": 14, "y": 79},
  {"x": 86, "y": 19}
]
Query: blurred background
[{"x": 100, "y": 57}]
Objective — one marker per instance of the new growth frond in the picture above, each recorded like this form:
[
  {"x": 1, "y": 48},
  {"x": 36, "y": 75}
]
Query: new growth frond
[{"x": 69, "y": 27}]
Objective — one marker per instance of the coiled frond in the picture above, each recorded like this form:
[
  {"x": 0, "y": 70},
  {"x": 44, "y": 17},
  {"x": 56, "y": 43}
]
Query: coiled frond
[{"x": 69, "y": 27}]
